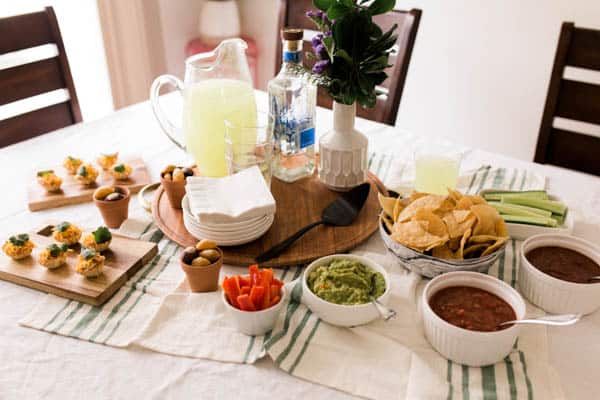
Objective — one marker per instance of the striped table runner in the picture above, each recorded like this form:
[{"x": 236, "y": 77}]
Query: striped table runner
[{"x": 375, "y": 361}]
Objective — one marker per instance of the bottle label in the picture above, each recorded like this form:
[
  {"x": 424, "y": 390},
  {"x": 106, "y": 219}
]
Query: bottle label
[
  {"x": 307, "y": 137},
  {"x": 292, "y": 56}
]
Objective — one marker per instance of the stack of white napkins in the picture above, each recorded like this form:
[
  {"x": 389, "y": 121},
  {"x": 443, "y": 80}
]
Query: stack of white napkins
[{"x": 235, "y": 208}]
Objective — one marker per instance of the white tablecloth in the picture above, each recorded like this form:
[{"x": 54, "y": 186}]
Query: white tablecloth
[{"x": 35, "y": 364}]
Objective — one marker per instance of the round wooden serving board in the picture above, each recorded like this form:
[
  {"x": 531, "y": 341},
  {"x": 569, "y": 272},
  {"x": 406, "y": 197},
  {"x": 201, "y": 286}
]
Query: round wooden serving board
[{"x": 298, "y": 204}]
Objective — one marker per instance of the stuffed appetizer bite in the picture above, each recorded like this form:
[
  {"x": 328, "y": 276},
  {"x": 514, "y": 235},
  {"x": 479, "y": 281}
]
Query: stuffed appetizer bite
[
  {"x": 67, "y": 233},
  {"x": 18, "y": 246},
  {"x": 98, "y": 240},
  {"x": 53, "y": 256},
  {"x": 121, "y": 171},
  {"x": 86, "y": 174},
  {"x": 49, "y": 181},
  {"x": 71, "y": 164},
  {"x": 107, "y": 160},
  {"x": 90, "y": 263}
]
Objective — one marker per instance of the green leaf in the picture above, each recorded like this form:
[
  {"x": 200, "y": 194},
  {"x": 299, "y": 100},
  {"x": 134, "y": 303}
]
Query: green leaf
[
  {"x": 344, "y": 55},
  {"x": 347, "y": 3},
  {"x": 63, "y": 226},
  {"x": 88, "y": 253},
  {"x": 82, "y": 171},
  {"x": 329, "y": 46},
  {"x": 336, "y": 11},
  {"x": 381, "y": 6},
  {"x": 102, "y": 235},
  {"x": 19, "y": 240},
  {"x": 56, "y": 250},
  {"x": 119, "y": 168},
  {"x": 323, "y": 5},
  {"x": 46, "y": 172}
]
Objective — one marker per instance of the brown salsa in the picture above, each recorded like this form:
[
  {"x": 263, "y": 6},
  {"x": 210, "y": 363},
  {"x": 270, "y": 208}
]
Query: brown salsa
[
  {"x": 472, "y": 308},
  {"x": 565, "y": 264}
]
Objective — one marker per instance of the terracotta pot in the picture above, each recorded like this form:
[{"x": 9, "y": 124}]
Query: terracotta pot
[
  {"x": 114, "y": 212},
  {"x": 203, "y": 279},
  {"x": 175, "y": 192}
]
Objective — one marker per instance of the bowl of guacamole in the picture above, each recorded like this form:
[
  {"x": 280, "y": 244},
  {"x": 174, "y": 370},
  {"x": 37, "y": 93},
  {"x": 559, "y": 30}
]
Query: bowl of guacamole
[{"x": 339, "y": 289}]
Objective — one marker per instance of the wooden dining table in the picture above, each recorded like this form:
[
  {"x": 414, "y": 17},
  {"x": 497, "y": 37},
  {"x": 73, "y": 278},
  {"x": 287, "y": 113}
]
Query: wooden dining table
[{"x": 35, "y": 364}]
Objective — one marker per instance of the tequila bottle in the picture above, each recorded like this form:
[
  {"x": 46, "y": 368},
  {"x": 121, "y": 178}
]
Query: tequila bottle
[{"x": 292, "y": 104}]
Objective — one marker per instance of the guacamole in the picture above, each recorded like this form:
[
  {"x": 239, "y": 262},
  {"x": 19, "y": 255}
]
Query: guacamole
[{"x": 346, "y": 282}]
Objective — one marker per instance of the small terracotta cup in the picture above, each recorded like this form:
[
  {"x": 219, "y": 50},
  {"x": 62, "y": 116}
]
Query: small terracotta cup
[
  {"x": 203, "y": 279},
  {"x": 175, "y": 192},
  {"x": 114, "y": 212}
]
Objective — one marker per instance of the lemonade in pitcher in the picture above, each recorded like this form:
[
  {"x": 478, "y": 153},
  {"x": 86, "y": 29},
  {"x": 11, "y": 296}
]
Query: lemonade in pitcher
[
  {"x": 217, "y": 88},
  {"x": 207, "y": 104}
]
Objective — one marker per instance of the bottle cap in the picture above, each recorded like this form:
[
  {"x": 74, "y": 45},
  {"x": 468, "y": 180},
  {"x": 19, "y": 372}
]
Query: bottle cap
[{"x": 292, "y": 33}]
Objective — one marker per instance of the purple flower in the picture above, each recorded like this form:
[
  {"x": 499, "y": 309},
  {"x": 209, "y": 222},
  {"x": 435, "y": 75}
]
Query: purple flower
[
  {"x": 320, "y": 51},
  {"x": 320, "y": 66},
  {"x": 316, "y": 40},
  {"x": 312, "y": 13},
  {"x": 327, "y": 34}
]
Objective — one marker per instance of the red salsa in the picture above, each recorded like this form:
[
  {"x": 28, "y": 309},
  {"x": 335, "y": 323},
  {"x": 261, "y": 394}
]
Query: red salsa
[
  {"x": 565, "y": 264},
  {"x": 472, "y": 308}
]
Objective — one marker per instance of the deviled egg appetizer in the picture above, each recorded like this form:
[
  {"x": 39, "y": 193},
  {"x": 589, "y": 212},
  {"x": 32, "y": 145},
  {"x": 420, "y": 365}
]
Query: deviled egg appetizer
[
  {"x": 86, "y": 174},
  {"x": 98, "y": 240},
  {"x": 67, "y": 233},
  {"x": 18, "y": 247},
  {"x": 53, "y": 256},
  {"x": 49, "y": 181},
  {"x": 90, "y": 263},
  {"x": 120, "y": 171},
  {"x": 71, "y": 164},
  {"x": 107, "y": 160}
]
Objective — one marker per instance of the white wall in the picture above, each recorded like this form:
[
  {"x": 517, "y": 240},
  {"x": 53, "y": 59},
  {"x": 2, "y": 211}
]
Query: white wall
[{"x": 80, "y": 29}]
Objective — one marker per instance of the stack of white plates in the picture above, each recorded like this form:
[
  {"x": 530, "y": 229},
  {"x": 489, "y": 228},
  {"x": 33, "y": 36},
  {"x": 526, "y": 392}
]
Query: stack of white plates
[{"x": 229, "y": 233}]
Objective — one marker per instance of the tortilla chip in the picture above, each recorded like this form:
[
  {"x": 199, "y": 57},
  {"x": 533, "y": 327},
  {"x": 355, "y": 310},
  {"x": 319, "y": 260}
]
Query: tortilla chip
[
  {"x": 478, "y": 239},
  {"x": 435, "y": 226},
  {"x": 454, "y": 244},
  {"x": 414, "y": 234},
  {"x": 474, "y": 249},
  {"x": 463, "y": 241},
  {"x": 476, "y": 199},
  {"x": 429, "y": 202},
  {"x": 387, "y": 220},
  {"x": 443, "y": 252},
  {"x": 486, "y": 219},
  {"x": 416, "y": 195},
  {"x": 464, "y": 203},
  {"x": 499, "y": 243},
  {"x": 501, "y": 228},
  {"x": 398, "y": 207},
  {"x": 386, "y": 203}
]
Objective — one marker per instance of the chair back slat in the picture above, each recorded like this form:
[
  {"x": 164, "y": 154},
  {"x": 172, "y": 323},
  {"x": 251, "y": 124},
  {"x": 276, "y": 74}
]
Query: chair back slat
[
  {"x": 573, "y": 100},
  {"x": 293, "y": 13},
  {"x": 30, "y": 79},
  {"x": 583, "y": 50},
  {"x": 19, "y": 83},
  {"x": 34, "y": 123},
  {"x": 34, "y": 31},
  {"x": 579, "y": 101},
  {"x": 574, "y": 151}
]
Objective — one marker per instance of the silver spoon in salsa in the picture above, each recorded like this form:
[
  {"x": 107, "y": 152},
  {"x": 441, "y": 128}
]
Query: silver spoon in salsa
[{"x": 553, "y": 320}]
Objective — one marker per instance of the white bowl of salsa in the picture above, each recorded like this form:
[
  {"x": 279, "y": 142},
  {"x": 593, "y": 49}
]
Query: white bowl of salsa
[
  {"x": 461, "y": 312},
  {"x": 554, "y": 273},
  {"x": 345, "y": 315}
]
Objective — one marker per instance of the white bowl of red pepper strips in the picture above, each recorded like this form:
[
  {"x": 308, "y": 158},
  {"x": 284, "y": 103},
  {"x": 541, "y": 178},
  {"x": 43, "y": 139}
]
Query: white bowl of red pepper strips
[
  {"x": 556, "y": 273},
  {"x": 461, "y": 315}
]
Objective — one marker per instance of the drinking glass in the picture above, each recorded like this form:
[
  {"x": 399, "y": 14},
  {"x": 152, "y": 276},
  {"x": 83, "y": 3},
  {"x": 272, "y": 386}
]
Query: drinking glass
[
  {"x": 249, "y": 145},
  {"x": 436, "y": 169}
]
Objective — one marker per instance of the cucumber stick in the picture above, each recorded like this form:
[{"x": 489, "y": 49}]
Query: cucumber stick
[
  {"x": 555, "y": 207},
  {"x": 530, "y": 194},
  {"x": 515, "y": 209},
  {"x": 539, "y": 220}
]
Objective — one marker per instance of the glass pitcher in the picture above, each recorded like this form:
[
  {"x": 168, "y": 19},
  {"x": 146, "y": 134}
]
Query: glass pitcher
[{"x": 217, "y": 87}]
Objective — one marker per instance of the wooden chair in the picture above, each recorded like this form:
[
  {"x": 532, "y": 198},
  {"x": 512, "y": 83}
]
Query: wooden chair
[
  {"x": 34, "y": 78},
  {"x": 293, "y": 13},
  {"x": 575, "y": 100}
]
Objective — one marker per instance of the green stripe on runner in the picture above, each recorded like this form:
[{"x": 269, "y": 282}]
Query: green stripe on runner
[
  {"x": 133, "y": 287},
  {"x": 305, "y": 346},
  {"x": 499, "y": 178},
  {"x": 501, "y": 262},
  {"x": 284, "y": 273},
  {"x": 524, "y": 179},
  {"x": 482, "y": 183},
  {"x": 370, "y": 160},
  {"x": 250, "y": 345},
  {"x": 156, "y": 236},
  {"x": 291, "y": 309},
  {"x": 474, "y": 178},
  {"x": 282, "y": 356},
  {"x": 297, "y": 273},
  {"x": 449, "y": 380},
  {"x": 64, "y": 322},
  {"x": 465, "y": 382},
  {"x": 387, "y": 170},
  {"x": 488, "y": 382},
  {"x": 527, "y": 380},
  {"x": 67, "y": 303},
  {"x": 146, "y": 229},
  {"x": 510, "y": 374},
  {"x": 135, "y": 303},
  {"x": 513, "y": 279},
  {"x": 513, "y": 179}
]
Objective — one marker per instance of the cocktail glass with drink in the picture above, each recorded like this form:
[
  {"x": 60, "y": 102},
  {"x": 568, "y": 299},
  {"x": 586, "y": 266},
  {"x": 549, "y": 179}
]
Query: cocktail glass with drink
[{"x": 436, "y": 169}]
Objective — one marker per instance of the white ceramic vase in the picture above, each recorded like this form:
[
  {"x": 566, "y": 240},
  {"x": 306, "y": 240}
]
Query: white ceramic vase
[
  {"x": 343, "y": 151},
  {"x": 219, "y": 20}
]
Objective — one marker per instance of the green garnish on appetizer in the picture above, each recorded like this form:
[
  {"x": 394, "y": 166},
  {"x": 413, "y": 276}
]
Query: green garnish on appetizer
[
  {"x": 56, "y": 250},
  {"x": 82, "y": 171},
  {"x": 88, "y": 254},
  {"x": 19, "y": 240},
  {"x": 45, "y": 172},
  {"x": 63, "y": 226},
  {"x": 102, "y": 235},
  {"x": 119, "y": 168}
]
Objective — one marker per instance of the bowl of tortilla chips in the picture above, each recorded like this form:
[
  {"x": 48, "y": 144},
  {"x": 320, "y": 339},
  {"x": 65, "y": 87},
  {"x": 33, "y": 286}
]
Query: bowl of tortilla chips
[{"x": 433, "y": 234}]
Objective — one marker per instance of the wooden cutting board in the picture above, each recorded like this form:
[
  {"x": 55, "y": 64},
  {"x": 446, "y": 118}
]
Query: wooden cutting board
[
  {"x": 74, "y": 193},
  {"x": 298, "y": 204},
  {"x": 123, "y": 259}
]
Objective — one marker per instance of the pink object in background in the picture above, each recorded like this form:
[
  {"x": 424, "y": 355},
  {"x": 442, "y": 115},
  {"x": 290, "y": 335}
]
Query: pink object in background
[{"x": 196, "y": 46}]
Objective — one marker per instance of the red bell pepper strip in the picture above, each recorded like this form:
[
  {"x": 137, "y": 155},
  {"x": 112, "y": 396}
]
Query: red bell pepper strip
[
  {"x": 275, "y": 300},
  {"x": 275, "y": 291},
  {"x": 245, "y": 290},
  {"x": 254, "y": 275},
  {"x": 266, "y": 277},
  {"x": 277, "y": 282},
  {"x": 257, "y": 294},
  {"x": 244, "y": 281},
  {"x": 245, "y": 303},
  {"x": 231, "y": 287},
  {"x": 266, "y": 303}
]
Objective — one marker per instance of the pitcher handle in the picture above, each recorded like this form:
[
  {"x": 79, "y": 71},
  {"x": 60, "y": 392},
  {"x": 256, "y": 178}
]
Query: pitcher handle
[{"x": 167, "y": 126}]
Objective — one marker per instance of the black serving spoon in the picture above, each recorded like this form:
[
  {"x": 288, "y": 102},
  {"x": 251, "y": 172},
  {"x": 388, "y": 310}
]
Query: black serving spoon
[{"x": 341, "y": 212}]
